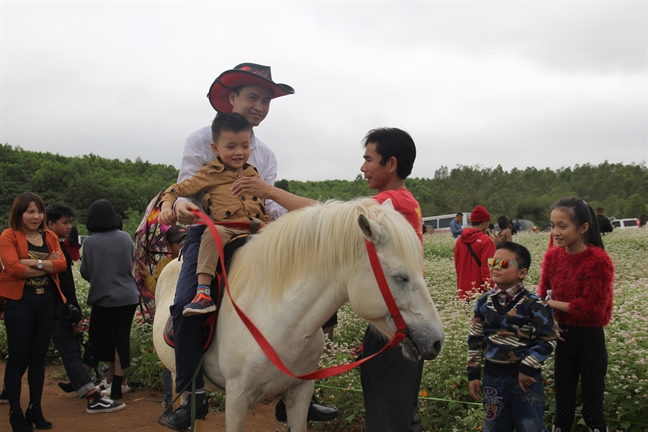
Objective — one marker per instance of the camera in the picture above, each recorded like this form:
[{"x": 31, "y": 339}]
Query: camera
[{"x": 75, "y": 314}]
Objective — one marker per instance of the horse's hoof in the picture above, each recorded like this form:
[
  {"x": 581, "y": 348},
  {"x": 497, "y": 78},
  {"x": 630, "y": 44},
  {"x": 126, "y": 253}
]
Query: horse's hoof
[{"x": 316, "y": 412}]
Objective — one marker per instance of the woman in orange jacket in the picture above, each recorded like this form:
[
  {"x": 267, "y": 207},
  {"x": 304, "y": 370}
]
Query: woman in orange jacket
[{"x": 32, "y": 258}]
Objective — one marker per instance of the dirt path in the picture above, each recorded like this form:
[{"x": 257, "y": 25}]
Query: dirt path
[{"x": 67, "y": 412}]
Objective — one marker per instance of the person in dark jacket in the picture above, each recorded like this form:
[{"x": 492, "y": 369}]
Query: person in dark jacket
[
  {"x": 603, "y": 222},
  {"x": 66, "y": 325}
]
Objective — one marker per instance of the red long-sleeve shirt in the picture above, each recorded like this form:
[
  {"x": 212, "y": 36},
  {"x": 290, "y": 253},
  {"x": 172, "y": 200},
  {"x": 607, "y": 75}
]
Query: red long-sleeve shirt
[{"x": 585, "y": 280}]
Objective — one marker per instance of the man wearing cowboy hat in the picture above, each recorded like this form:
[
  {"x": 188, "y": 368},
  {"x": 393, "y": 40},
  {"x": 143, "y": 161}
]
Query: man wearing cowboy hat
[{"x": 247, "y": 89}]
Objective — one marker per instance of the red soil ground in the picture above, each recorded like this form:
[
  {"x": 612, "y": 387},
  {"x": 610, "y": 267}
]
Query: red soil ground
[{"x": 67, "y": 412}]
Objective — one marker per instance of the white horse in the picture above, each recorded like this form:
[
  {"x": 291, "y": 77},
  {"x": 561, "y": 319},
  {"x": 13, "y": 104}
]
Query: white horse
[{"x": 289, "y": 280}]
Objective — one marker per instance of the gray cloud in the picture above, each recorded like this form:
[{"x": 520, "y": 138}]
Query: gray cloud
[{"x": 545, "y": 84}]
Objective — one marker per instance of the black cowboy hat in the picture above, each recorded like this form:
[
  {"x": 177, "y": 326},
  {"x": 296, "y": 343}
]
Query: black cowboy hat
[{"x": 242, "y": 75}]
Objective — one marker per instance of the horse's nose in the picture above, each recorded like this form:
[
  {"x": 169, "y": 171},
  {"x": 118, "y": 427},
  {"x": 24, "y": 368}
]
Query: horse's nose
[{"x": 436, "y": 347}]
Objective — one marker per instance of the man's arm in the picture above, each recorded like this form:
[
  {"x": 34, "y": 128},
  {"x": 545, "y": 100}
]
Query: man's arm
[
  {"x": 254, "y": 186},
  {"x": 265, "y": 162}
]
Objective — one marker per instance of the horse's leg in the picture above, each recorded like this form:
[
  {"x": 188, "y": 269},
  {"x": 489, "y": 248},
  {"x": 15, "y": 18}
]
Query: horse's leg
[
  {"x": 297, "y": 401},
  {"x": 236, "y": 406}
]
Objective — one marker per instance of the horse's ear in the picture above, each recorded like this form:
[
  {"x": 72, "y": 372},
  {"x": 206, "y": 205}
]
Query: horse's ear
[
  {"x": 388, "y": 202},
  {"x": 371, "y": 230}
]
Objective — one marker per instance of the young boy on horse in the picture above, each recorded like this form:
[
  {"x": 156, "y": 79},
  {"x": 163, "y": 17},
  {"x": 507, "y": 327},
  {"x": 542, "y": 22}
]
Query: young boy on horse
[{"x": 231, "y": 135}]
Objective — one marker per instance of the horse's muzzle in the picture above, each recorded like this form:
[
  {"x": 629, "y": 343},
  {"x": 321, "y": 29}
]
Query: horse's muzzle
[{"x": 428, "y": 350}]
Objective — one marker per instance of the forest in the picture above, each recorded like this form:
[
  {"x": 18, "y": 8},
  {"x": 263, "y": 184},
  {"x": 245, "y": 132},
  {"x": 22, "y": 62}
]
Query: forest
[{"x": 622, "y": 189}]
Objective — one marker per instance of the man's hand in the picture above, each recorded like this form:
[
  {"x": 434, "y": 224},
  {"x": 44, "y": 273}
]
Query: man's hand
[
  {"x": 475, "y": 390},
  {"x": 251, "y": 186},
  {"x": 183, "y": 212},
  {"x": 525, "y": 381}
]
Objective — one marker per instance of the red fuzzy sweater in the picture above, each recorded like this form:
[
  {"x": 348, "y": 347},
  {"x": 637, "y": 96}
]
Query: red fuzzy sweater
[{"x": 585, "y": 280}]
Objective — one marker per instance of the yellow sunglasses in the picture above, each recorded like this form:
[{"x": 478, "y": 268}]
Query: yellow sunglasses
[{"x": 502, "y": 262}]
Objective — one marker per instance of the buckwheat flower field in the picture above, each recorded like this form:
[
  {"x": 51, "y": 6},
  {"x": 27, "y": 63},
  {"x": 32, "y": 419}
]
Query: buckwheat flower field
[{"x": 445, "y": 403}]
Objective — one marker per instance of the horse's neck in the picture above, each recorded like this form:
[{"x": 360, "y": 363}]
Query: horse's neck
[{"x": 300, "y": 312}]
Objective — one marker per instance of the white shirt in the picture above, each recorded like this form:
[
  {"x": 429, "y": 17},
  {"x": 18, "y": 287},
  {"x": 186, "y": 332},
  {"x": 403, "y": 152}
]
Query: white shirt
[{"x": 198, "y": 153}]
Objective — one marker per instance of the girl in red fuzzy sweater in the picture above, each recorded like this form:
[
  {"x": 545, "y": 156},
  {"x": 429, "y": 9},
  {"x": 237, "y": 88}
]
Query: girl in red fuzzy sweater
[{"x": 580, "y": 275}]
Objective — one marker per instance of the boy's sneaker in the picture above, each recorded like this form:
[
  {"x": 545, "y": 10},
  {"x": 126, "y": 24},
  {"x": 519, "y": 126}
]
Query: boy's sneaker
[
  {"x": 201, "y": 304},
  {"x": 104, "y": 405},
  {"x": 4, "y": 399},
  {"x": 104, "y": 388}
]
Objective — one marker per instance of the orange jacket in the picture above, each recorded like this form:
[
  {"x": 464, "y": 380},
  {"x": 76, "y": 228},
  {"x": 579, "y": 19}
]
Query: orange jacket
[{"x": 13, "y": 248}]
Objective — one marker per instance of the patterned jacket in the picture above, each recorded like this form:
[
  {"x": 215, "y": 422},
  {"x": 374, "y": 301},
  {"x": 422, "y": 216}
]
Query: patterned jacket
[{"x": 522, "y": 332}]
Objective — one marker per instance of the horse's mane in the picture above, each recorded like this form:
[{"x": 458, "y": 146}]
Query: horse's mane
[{"x": 323, "y": 236}]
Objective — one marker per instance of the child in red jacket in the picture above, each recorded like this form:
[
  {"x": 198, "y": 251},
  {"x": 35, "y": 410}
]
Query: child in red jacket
[{"x": 580, "y": 275}]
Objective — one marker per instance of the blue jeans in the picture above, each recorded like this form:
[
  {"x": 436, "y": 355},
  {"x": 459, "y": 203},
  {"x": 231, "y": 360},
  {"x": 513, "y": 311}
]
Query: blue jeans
[
  {"x": 29, "y": 323},
  {"x": 506, "y": 407},
  {"x": 69, "y": 349}
]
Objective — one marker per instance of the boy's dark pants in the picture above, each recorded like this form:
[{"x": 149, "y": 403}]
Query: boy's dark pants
[
  {"x": 187, "y": 333},
  {"x": 69, "y": 349},
  {"x": 390, "y": 385},
  {"x": 507, "y": 408}
]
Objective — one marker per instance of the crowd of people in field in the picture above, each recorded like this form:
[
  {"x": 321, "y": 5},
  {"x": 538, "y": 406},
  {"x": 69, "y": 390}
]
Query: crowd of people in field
[{"x": 228, "y": 172}]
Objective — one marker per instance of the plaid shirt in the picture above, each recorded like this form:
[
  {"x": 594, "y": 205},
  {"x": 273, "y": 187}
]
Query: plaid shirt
[{"x": 506, "y": 296}]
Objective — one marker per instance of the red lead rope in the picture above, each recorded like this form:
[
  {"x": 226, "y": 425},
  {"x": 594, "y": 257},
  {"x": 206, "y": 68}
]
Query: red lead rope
[{"x": 398, "y": 337}]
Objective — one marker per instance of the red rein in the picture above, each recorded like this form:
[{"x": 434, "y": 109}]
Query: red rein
[{"x": 401, "y": 327}]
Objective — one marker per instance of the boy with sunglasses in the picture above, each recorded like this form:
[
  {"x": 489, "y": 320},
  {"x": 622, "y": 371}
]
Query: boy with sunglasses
[{"x": 513, "y": 329}]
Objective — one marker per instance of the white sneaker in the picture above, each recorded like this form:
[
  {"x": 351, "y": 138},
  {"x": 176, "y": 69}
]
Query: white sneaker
[
  {"x": 105, "y": 388},
  {"x": 102, "y": 386}
]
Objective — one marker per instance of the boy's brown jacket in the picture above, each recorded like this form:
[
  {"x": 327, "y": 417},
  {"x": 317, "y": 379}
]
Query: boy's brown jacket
[{"x": 216, "y": 181}]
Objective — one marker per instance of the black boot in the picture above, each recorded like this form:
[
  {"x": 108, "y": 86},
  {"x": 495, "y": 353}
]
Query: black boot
[
  {"x": 316, "y": 412},
  {"x": 66, "y": 387},
  {"x": 18, "y": 422},
  {"x": 34, "y": 415},
  {"x": 180, "y": 419}
]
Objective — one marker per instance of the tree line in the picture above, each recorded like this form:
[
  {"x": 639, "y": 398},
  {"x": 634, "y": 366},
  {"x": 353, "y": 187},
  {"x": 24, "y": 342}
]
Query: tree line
[{"x": 622, "y": 189}]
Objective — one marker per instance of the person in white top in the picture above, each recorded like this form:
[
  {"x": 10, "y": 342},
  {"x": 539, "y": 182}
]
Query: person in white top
[{"x": 247, "y": 89}]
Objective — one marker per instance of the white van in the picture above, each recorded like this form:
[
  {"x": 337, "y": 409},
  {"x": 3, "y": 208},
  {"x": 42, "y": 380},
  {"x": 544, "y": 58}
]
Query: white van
[
  {"x": 625, "y": 223},
  {"x": 441, "y": 224}
]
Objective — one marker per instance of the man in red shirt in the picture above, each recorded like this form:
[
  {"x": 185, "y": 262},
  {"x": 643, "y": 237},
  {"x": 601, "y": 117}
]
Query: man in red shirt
[
  {"x": 471, "y": 254},
  {"x": 390, "y": 382}
]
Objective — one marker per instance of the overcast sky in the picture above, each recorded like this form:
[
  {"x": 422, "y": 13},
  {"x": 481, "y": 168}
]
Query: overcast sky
[{"x": 543, "y": 84}]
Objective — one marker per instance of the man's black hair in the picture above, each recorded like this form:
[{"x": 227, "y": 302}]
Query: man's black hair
[
  {"x": 459, "y": 214},
  {"x": 393, "y": 142},
  {"x": 230, "y": 122},
  {"x": 522, "y": 254},
  {"x": 56, "y": 211}
]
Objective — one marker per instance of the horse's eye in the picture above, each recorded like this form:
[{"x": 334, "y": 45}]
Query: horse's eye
[{"x": 400, "y": 277}]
